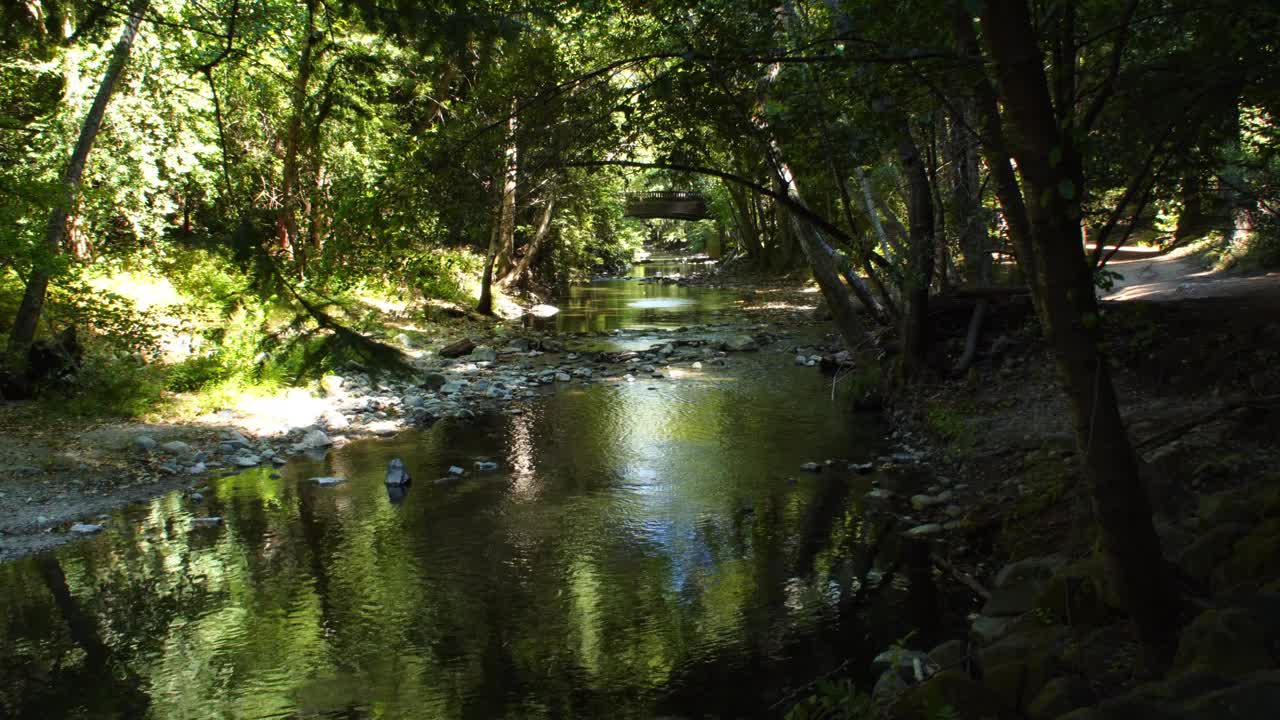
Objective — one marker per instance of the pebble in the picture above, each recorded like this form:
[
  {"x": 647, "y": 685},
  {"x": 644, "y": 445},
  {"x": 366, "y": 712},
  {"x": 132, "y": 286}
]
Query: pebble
[
  {"x": 812, "y": 467},
  {"x": 326, "y": 480},
  {"x": 484, "y": 466},
  {"x": 456, "y": 471},
  {"x": 86, "y": 528}
]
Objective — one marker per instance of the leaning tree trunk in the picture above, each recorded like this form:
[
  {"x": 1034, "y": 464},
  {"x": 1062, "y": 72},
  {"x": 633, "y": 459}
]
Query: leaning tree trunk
[
  {"x": 1068, "y": 310},
  {"x": 517, "y": 275},
  {"x": 28, "y": 316}
]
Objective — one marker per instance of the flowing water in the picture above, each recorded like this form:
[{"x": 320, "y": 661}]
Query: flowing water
[{"x": 644, "y": 549}]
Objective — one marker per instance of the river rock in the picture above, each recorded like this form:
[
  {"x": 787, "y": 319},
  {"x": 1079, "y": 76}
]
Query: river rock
[
  {"x": 197, "y": 469},
  {"x": 518, "y": 345},
  {"x": 563, "y": 377},
  {"x": 925, "y": 530},
  {"x": 403, "y": 340},
  {"x": 484, "y": 353},
  {"x": 456, "y": 471},
  {"x": 235, "y": 440},
  {"x": 145, "y": 443},
  {"x": 86, "y": 528},
  {"x": 696, "y": 365},
  {"x": 486, "y": 466},
  {"x": 327, "y": 480},
  {"x": 880, "y": 495},
  {"x": 812, "y": 467},
  {"x": 176, "y": 447},
  {"x": 740, "y": 343},
  {"x": 211, "y": 520},
  {"x": 331, "y": 384},
  {"x": 583, "y": 372},
  {"x": 396, "y": 474},
  {"x": 246, "y": 460},
  {"x": 434, "y": 381},
  {"x": 316, "y": 438},
  {"x": 862, "y": 468}
]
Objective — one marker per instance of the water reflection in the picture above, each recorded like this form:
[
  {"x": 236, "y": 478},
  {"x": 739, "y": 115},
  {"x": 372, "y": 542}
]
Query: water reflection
[
  {"x": 639, "y": 551},
  {"x": 614, "y": 303}
]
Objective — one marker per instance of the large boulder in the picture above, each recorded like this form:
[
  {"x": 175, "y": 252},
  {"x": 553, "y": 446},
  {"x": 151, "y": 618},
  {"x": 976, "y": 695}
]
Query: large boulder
[{"x": 484, "y": 353}]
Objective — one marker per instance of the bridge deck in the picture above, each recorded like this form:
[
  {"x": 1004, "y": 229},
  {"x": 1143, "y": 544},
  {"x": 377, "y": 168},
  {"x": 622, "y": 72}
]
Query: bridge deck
[{"x": 671, "y": 204}]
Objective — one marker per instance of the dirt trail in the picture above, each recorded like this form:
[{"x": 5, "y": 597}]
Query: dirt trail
[{"x": 1182, "y": 275}]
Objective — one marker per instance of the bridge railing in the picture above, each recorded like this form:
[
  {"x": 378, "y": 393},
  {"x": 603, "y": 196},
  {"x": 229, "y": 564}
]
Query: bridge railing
[{"x": 663, "y": 195}]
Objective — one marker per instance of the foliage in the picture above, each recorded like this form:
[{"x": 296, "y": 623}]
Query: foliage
[{"x": 832, "y": 700}]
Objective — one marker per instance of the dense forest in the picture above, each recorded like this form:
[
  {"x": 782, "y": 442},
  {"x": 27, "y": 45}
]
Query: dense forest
[{"x": 210, "y": 199}]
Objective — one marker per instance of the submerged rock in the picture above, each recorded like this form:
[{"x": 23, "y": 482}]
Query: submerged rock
[
  {"x": 486, "y": 466},
  {"x": 740, "y": 343},
  {"x": 145, "y": 443},
  {"x": 211, "y": 520},
  {"x": 327, "y": 480},
  {"x": 86, "y": 528},
  {"x": 456, "y": 471},
  {"x": 396, "y": 474}
]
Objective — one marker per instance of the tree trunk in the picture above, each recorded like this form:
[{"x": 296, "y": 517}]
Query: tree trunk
[
  {"x": 823, "y": 266},
  {"x": 1068, "y": 311},
  {"x": 287, "y": 219},
  {"x": 535, "y": 244},
  {"x": 748, "y": 230},
  {"x": 507, "y": 207},
  {"x": 919, "y": 274},
  {"x": 28, "y": 316},
  {"x": 484, "y": 305}
]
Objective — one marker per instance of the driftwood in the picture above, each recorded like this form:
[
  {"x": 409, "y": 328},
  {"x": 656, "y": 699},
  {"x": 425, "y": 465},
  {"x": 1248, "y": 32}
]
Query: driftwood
[
  {"x": 457, "y": 349},
  {"x": 962, "y": 577}
]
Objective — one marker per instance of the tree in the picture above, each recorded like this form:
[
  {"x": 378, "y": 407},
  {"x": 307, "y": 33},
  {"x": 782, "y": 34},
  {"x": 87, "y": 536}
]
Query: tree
[
  {"x": 1043, "y": 141},
  {"x": 28, "y": 315}
]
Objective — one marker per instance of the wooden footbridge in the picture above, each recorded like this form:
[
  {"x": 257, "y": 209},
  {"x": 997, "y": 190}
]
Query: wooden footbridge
[{"x": 670, "y": 204}]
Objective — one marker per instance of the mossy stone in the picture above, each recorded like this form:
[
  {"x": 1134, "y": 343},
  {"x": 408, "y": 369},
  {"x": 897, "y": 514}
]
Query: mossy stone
[
  {"x": 1060, "y": 696},
  {"x": 949, "y": 691},
  {"x": 1230, "y": 641}
]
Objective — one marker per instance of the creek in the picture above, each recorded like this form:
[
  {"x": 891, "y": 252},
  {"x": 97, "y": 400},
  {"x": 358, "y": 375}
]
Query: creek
[{"x": 644, "y": 549}]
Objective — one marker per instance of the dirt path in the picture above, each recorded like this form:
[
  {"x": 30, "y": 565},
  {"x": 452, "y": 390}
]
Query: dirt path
[{"x": 1182, "y": 275}]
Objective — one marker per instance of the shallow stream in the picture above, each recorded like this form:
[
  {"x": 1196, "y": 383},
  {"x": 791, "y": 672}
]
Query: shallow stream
[{"x": 644, "y": 549}]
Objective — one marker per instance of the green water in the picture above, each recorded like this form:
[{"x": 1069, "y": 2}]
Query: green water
[{"x": 644, "y": 549}]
